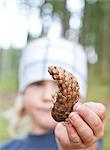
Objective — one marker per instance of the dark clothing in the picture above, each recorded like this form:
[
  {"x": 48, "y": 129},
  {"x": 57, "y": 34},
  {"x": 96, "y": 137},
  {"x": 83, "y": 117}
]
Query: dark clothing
[
  {"x": 36, "y": 142},
  {"x": 32, "y": 142},
  {"x": 100, "y": 144}
]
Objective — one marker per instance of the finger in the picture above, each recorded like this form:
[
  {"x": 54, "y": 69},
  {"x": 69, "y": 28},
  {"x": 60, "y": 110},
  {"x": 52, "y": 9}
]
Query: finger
[
  {"x": 82, "y": 129},
  {"x": 72, "y": 134},
  {"x": 98, "y": 108},
  {"x": 91, "y": 118},
  {"x": 61, "y": 135}
]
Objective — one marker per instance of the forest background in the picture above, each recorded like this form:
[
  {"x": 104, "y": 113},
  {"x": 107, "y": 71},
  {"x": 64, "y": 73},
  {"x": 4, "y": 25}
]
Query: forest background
[{"x": 83, "y": 21}]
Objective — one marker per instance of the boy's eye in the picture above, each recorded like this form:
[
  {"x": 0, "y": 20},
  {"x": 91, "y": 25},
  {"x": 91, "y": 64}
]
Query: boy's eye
[{"x": 40, "y": 83}]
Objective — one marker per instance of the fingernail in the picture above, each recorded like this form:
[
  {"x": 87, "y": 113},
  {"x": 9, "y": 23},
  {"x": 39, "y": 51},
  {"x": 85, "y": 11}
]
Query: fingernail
[
  {"x": 77, "y": 106},
  {"x": 73, "y": 115}
]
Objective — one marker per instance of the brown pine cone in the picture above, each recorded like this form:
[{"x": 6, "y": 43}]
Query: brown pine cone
[{"x": 67, "y": 95}]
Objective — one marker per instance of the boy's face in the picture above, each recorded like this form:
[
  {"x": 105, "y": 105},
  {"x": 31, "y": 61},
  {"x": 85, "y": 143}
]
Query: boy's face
[{"x": 38, "y": 104}]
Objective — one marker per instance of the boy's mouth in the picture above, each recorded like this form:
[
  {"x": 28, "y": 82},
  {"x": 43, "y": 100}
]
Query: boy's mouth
[{"x": 45, "y": 109}]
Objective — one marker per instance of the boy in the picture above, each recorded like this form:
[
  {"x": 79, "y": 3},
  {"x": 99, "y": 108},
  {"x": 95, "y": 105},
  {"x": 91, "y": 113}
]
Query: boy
[{"x": 86, "y": 124}]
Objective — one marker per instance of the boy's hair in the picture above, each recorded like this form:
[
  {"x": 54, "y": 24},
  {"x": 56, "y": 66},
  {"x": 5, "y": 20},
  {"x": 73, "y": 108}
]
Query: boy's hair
[
  {"x": 18, "y": 119},
  {"x": 43, "y": 52}
]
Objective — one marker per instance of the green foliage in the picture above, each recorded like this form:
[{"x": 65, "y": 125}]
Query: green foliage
[
  {"x": 57, "y": 5},
  {"x": 95, "y": 32},
  {"x": 8, "y": 83},
  {"x": 98, "y": 87},
  {"x": 4, "y": 134},
  {"x": 98, "y": 91},
  {"x": 55, "y": 95},
  {"x": 107, "y": 129},
  {"x": 65, "y": 114}
]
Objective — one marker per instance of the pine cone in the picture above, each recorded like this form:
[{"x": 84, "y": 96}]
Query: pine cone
[{"x": 67, "y": 95}]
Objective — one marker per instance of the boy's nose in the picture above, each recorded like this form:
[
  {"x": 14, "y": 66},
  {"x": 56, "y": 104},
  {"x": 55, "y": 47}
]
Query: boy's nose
[
  {"x": 48, "y": 93},
  {"x": 47, "y": 97}
]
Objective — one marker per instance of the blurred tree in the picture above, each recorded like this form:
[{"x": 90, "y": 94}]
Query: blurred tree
[
  {"x": 95, "y": 32},
  {"x": 105, "y": 40},
  {"x": 59, "y": 7}
]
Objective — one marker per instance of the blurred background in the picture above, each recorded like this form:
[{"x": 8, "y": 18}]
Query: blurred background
[{"x": 83, "y": 21}]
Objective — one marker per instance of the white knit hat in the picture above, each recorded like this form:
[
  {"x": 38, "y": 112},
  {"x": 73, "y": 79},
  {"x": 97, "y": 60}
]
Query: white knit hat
[{"x": 41, "y": 53}]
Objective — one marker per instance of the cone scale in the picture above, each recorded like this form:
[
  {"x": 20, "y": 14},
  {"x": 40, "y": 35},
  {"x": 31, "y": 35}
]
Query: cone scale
[{"x": 67, "y": 95}]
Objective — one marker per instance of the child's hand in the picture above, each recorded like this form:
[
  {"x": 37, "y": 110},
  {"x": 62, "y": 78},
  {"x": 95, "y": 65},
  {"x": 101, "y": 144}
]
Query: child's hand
[{"x": 84, "y": 127}]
